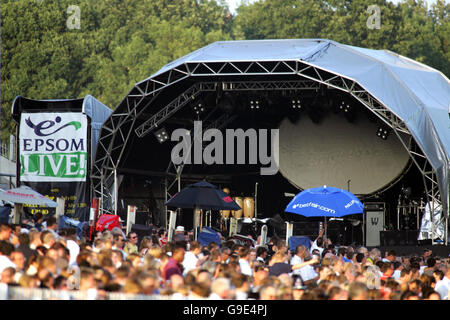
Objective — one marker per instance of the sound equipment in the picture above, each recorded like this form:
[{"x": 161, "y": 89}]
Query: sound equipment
[
  {"x": 374, "y": 222},
  {"x": 249, "y": 207},
  {"x": 296, "y": 241},
  {"x": 238, "y": 213},
  {"x": 399, "y": 237}
]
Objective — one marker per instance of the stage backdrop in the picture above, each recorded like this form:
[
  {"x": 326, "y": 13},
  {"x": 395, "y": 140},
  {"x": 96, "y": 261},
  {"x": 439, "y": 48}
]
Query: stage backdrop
[
  {"x": 335, "y": 151},
  {"x": 53, "y": 154}
]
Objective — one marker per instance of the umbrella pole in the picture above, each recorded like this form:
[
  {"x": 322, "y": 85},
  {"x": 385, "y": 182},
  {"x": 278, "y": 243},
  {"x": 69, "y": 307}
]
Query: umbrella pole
[
  {"x": 17, "y": 213},
  {"x": 201, "y": 218},
  {"x": 197, "y": 217}
]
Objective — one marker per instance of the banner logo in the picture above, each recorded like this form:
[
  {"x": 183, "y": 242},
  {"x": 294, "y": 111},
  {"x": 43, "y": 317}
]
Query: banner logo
[
  {"x": 374, "y": 221},
  {"x": 42, "y": 126},
  {"x": 53, "y": 150},
  {"x": 313, "y": 205},
  {"x": 227, "y": 199}
]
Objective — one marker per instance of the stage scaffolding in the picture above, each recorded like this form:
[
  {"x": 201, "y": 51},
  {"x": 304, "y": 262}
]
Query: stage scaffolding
[{"x": 117, "y": 130}]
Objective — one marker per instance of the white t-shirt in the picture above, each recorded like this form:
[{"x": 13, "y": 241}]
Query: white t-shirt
[
  {"x": 443, "y": 287},
  {"x": 397, "y": 274},
  {"x": 189, "y": 262},
  {"x": 314, "y": 246},
  {"x": 307, "y": 272},
  {"x": 422, "y": 269},
  {"x": 74, "y": 250},
  {"x": 245, "y": 267},
  {"x": 5, "y": 262}
]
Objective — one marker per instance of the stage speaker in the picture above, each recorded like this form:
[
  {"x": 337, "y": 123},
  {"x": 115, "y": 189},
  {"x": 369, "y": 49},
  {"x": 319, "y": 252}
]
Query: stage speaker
[
  {"x": 142, "y": 217},
  {"x": 411, "y": 237},
  {"x": 374, "y": 224},
  {"x": 399, "y": 238},
  {"x": 393, "y": 238}
]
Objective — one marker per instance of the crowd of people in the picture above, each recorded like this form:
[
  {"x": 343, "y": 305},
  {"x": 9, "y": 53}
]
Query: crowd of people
[{"x": 58, "y": 259}]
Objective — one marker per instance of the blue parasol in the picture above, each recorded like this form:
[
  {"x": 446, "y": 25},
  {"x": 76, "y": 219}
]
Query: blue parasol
[{"x": 325, "y": 202}]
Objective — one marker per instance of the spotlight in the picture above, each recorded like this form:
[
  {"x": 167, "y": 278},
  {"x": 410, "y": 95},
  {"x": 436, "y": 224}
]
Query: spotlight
[
  {"x": 199, "y": 107},
  {"x": 382, "y": 133},
  {"x": 345, "y": 106},
  {"x": 255, "y": 103},
  {"x": 162, "y": 135},
  {"x": 296, "y": 103}
]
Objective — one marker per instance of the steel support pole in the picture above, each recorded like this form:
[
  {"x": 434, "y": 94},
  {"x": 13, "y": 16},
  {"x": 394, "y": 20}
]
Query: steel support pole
[{"x": 116, "y": 205}]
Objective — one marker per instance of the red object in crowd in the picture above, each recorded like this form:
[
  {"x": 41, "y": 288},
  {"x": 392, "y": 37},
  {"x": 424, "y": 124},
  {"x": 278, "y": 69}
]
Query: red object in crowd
[
  {"x": 163, "y": 241},
  {"x": 107, "y": 221},
  {"x": 93, "y": 219}
]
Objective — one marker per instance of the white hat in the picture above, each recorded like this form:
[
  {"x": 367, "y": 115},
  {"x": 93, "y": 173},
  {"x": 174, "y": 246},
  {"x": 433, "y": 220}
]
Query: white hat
[{"x": 180, "y": 228}]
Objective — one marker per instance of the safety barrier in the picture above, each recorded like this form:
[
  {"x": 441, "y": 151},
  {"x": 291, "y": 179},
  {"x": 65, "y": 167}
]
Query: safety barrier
[{"x": 19, "y": 293}]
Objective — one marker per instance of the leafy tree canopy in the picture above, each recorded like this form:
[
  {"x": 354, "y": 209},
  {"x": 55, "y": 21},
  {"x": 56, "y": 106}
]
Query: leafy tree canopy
[{"x": 120, "y": 42}]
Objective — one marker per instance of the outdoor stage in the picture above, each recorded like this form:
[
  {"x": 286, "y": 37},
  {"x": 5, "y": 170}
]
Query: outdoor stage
[{"x": 342, "y": 120}]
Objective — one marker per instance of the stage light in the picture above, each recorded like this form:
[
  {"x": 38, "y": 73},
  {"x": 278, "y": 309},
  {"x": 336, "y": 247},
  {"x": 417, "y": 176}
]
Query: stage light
[
  {"x": 383, "y": 133},
  {"x": 199, "y": 107},
  {"x": 296, "y": 103},
  {"x": 255, "y": 103},
  {"x": 162, "y": 135},
  {"x": 345, "y": 106}
]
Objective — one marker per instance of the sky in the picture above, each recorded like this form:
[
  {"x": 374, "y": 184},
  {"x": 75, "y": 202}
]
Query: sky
[{"x": 233, "y": 4}]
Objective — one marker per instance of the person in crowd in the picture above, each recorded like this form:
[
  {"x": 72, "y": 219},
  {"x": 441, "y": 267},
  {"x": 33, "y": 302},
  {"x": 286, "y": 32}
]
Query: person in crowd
[
  {"x": 244, "y": 263},
  {"x": 52, "y": 226},
  {"x": 131, "y": 244},
  {"x": 5, "y": 232},
  {"x": 443, "y": 286},
  {"x": 319, "y": 242},
  {"x": 174, "y": 264},
  {"x": 191, "y": 260},
  {"x": 145, "y": 244},
  {"x": 221, "y": 289},
  {"x": 24, "y": 247},
  {"x": 268, "y": 292},
  {"x": 179, "y": 235},
  {"x": 261, "y": 254},
  {"x": 6, "y": 248},
  {"x": 307, "y": 272}
]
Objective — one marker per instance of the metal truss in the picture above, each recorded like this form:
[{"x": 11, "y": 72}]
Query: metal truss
[
  {"x": 113, "y": 138},
  {"x": 179, "y": 102}
]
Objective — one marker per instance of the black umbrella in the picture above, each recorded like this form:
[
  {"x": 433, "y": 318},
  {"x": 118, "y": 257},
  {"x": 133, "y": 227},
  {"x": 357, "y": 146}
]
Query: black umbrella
[{"x": 202, "y": 195}]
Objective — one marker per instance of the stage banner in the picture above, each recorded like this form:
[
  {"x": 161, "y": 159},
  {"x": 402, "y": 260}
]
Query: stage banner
[
  {"x": 76, "y": 195},
  {"x": 53, "y": 154},
  {"x": 53, "y": 147}
]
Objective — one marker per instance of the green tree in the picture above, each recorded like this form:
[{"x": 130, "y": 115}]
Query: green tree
[{"x": 118, "y": 44}]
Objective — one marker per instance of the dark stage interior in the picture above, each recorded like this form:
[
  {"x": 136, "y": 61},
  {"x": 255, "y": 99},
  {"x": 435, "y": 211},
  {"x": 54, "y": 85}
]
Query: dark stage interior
[{"x": 145, "y": 163}]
